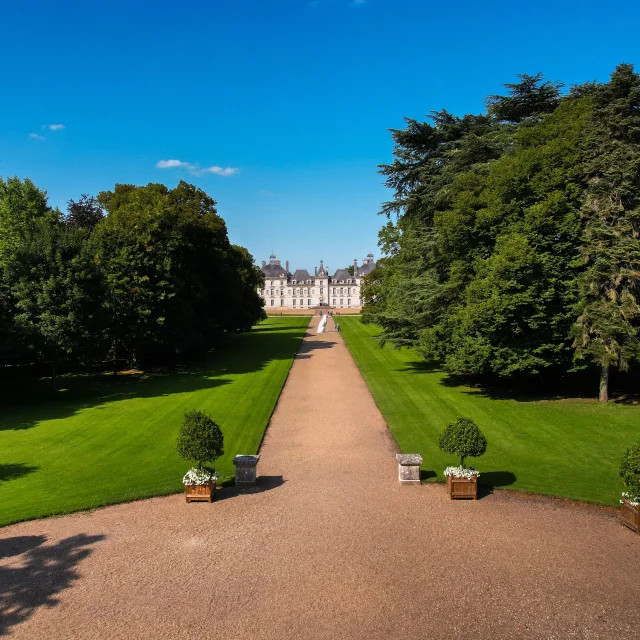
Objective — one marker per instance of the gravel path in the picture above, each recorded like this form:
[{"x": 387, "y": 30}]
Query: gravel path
[{"x": 331, "y": 547}]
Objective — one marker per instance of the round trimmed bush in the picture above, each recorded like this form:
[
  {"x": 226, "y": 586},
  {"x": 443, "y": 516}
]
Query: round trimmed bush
[
  {"x": 200, "y": 439},
  {"x": 630, "y": 470},
  {"x": 463, "y": 438}
]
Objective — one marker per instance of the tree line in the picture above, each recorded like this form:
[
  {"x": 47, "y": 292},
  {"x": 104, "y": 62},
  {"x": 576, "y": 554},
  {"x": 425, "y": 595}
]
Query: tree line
[
  {"x": 132, "y": 277},
  {"x": 513, "y": 237}
]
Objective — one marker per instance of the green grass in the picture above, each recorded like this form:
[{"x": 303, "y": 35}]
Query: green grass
[
  {"x": 100, "y": 440},
  {"x": 569, "y": 448}
]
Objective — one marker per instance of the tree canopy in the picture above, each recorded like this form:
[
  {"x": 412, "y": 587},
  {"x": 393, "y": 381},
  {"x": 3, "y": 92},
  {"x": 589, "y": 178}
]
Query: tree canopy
[
  {"x": 512, "y": 241},
  {"x": 135, "y": 275}
]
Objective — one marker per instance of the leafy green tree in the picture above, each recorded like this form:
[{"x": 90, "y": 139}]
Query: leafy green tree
[
  {"x": 56, "y": 292},
  {"x": 630, "y": 470},
  {"x": 464, "y": 439},
  {"x": 173, "y": 281},
  {"x": 200, "y": 439},
  {"x": 21, "y": 203},
  {"x": 606, "y": 330},
  {"x": 533, "y": 96}
]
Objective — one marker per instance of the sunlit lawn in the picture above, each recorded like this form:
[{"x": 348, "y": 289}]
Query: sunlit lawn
[
  {"x": 569, "y": 447},
  {"x": 100, "y": 440}
]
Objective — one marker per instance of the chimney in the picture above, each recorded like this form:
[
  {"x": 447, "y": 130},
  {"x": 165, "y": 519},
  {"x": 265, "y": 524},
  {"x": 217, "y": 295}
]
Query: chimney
[
  {"x": 315, "y": 271},
  {"x": 355, "y": 266},
  {"x": 287, "y": 263},
  {"x": 264, "y": 264}
]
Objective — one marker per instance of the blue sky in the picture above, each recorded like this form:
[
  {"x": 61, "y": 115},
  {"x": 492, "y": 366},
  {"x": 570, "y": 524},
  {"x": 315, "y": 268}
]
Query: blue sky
[{"x": 279, "y": 109}]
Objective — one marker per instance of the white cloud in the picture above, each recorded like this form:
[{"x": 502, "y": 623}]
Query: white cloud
[
  {"x": 55, "y": 127},
  {"x": 219, "y": 171},
  {"x": 35, "y": 136},
  {"x": 171, "y": 164}
]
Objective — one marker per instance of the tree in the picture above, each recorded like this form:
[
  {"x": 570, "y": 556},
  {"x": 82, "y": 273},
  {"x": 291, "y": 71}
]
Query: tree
[
  {"x": 630, "y": 470},
  {"x": 86, "y": 213},
  {"x": 531, "y": 97},
  {"x": 56, "y": 292},
  {"x": 173, "y": 280},
  {"x": 463, "y": 438},
  {"x": 21, "y": 203},
  {"x": 200, "y": 439},
  {"x": 350, "y": 270},
  {"x": 606, "y": 329}
]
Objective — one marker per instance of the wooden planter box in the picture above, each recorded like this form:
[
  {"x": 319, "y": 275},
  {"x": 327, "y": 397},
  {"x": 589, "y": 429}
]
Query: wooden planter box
[
  {"x": 200, "y": 492},
  {"x": 462, "y": 488},
  {"x": 630, "y": 516}
]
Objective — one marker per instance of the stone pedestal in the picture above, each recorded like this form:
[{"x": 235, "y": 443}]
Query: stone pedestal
[
  {"x": 246, "y": 467},
  {"x": 409, "y": 467}
]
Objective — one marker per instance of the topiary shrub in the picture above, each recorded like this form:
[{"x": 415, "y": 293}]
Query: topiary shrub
[
  {"x": 200, "y": 439},
  {"x": 463, "y": 438},
  {"x": 630, "y": 472}
]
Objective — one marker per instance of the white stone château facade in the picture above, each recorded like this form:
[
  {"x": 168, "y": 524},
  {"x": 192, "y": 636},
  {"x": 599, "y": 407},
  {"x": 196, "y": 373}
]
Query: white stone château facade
[{"x": 301, "y": 290}]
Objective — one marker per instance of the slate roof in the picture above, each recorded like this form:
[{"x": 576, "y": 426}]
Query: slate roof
[
  {"x": 365, "y": 269},
  {"x": 301, "y": 275},
  {"x": 341, "y": 274},
  {"x": 274, "y": 271}
]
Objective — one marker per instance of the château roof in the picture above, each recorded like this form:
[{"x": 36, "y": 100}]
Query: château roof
[
  {"x": 301, "y": 275},
  {"x": 274, "y": 271},
  {"x": 341, "y": 274},
  {"x": 367, "y": 266}
]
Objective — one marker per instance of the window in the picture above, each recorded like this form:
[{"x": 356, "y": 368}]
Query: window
[
  {"x": 341, "y": 301},
  {"x": 334, "y": 302},
  {"x": 281, "y": 302},
  {"x": 301, "y": 303},
  {"x": 321, "y": 290},
  {"x": 349, "y": 302},
  {"x": 309, "y": 302},
  {"x": 294, "y": 302},
  {"x": 273, "y": 302},
  {"x": 271, "y": 291},
  {"x": 349, "y": 291}
]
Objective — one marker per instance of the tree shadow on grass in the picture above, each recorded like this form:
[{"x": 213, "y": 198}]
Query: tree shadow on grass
[
  {"x": 15, "y": 470},
  {"x": 490, "y": 480},
  {"x": 27, "y": 401},
  {"x": 525, "y": 388},
  {"x": 34, "y": 579}
]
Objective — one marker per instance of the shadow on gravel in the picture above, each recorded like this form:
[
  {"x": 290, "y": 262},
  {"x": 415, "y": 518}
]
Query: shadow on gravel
[
  {"x": 490, "y": 480},
  {"x": 265, "y": 483},
  {"x": 42, "y": 573},
  {"x": 308, "y": 347}
]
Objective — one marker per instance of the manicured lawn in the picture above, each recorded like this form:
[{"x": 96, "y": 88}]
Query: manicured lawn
[
  {"x": 569, "y": 448},
  {"x": 100, "y": 440}
]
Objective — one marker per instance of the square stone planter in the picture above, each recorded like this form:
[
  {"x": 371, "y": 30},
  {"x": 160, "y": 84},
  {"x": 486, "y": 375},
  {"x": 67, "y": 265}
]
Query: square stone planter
[
  {"x": 409, "y": 468},
  {"x": 462, "y": 488},
  {"x": 630, "y": 516},
  {"x": 200, "y": 492},
  {"x": 246, "y": 467}
]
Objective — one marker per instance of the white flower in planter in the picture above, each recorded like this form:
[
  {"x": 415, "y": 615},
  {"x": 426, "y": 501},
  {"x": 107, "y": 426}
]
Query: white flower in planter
[
  {"x": 634, "y": 501},
  {"x": 199, "y": 476},
  {"x": 461, "y": 472}
]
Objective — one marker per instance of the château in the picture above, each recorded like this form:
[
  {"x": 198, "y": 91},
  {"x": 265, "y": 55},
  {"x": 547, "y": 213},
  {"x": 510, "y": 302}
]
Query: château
[{"x": 301, "y": 290}]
